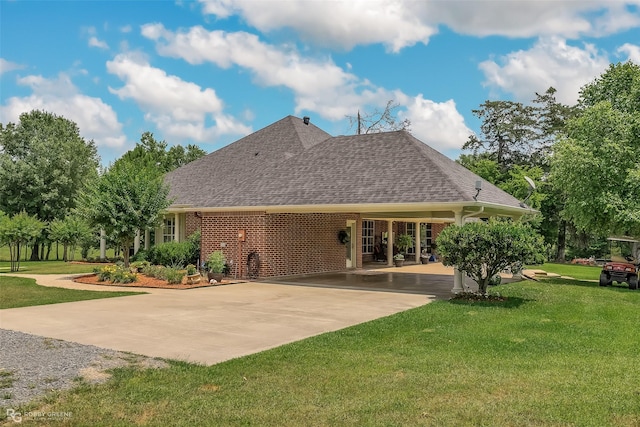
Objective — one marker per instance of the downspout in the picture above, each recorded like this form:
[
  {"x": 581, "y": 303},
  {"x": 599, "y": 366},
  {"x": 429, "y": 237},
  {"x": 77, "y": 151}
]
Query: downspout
[{"x": 472, "y": 213}]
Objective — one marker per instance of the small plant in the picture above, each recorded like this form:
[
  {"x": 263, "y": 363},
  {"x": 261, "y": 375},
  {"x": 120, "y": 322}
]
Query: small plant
[
  {"x": 157, "y": 271},
  {"x": 191, "y": 270},
  {"x": 404, "y": 241},
  {"x": 174, "y": 276},
  {"x": 216, "y": 262},
  {"x": 398, "y": 257},
  {"x": 123, "y": 275},
  {"x": 139, "y": 265},
  {"x": 106, "y": 273}
]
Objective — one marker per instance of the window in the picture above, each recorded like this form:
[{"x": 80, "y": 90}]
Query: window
[
  {"x": 367, "y": 236},
  {"x": 169, "y": 230},
  {"x": 426, "y": 237},
  {"x": 411, "y": 231}
]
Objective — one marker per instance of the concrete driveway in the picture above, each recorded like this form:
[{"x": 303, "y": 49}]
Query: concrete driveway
[{"x": 205, "y": 325}]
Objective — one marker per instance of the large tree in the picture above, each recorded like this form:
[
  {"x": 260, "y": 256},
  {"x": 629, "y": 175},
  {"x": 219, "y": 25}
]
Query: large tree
[
  {"x": 598, "y": 164},
  {"x": 153, "y": 155},
  {"x": 44, "y": 163},
  {"x": 124, "y": 200},
  {"x": 18, "y": 231}
]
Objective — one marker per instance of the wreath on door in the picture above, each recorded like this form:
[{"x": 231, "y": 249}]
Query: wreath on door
[{"x": 343, "y": 237}]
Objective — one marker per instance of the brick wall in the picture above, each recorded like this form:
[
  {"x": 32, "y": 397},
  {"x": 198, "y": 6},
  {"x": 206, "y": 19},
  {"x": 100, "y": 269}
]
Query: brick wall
[
  {"x": 288, "y": 244},
  {"x": 192, "y": 223}
]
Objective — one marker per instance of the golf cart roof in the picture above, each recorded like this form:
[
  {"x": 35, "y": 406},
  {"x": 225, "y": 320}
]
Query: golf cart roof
[{"x": 623, "y": 239}]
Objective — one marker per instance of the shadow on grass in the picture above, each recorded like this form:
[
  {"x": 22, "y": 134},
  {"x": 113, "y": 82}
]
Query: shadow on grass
[
  {"x": 617, "y": 287},
  {"x": 506, "y": 302}
]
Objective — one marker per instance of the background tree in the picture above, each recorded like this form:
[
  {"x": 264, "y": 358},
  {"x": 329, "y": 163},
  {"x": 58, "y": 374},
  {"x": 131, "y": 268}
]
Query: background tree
[
  {"x": 598, "y": 165},
  {"x": 484, "y": 249},
  {"x": 124, "y": 200},
  {"x": 70, "y": 231},
  {"x": 153, "y": 155},
  {"x": 44, "y": 163},
  {"x": 18, "y": 231},
  {"x": 385, "y": 120}
]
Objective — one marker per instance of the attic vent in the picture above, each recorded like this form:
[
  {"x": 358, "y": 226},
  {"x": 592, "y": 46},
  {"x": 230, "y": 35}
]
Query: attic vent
[
  {"x": 306, "y": 120},
  {"x": 257, "y": 152}
]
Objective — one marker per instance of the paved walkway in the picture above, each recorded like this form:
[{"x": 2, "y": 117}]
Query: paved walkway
[{"x": 204, "y": 325}]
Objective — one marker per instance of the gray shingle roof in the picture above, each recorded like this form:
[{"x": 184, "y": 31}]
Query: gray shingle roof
[{"x": 289, "y": 163}]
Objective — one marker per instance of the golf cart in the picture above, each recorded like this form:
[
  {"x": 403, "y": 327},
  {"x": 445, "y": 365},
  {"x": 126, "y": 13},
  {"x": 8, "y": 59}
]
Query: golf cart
[{"x": 622, "y": 266}]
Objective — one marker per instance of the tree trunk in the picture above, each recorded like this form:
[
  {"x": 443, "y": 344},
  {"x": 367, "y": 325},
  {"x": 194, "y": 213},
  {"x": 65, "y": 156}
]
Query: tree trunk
[
  {"x": 64, "y": 252},
  {"x": 125, "y": 254},
  {"x": 35, "y": 251},
  {"x": 57, "y": 253},
  {"x": 562, "y": 241},
  {"x": 48, "y": 251},
  {"x": 42, "y": 251}
]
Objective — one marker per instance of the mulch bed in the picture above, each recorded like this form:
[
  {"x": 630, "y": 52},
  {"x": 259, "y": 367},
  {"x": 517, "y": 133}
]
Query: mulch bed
[{"x": 152, "y": 282}]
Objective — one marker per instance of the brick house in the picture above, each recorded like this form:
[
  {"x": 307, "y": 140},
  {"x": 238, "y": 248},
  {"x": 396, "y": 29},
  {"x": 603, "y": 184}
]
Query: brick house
[{"x": 288, "y": 192}]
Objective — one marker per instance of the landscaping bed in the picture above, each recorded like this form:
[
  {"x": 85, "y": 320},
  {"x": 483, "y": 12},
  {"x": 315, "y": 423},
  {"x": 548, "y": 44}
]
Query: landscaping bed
[{"x": 151, "y": 282}]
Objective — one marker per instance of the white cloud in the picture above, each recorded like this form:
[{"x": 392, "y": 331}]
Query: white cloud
[
  {"x": 95, "y": 119},
  {"x": 550, "y": 62},
  {"x": 336, "y": 23},
  {"x": 94, "y": 42},
  {"x": 399, "y": 24},
  {"x": 6, "y": 66},
  {"x": 177, "y": 107},
  {"x": 126, "y": 29},
  {"x": 632, "y": 52},
  {"x": 438, "y": 124}
]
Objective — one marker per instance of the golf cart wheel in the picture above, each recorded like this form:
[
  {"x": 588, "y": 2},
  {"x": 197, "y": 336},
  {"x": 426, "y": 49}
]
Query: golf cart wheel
[
  {"x": 604, "y": 279},
  {"x": 633, "y": 282}
]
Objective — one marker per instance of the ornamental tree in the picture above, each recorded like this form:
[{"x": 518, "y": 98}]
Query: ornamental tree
[
  {"x": 483, "y": 249},
  {"x": 123, "y": 201},
  {"x": 18, "y": 231}
]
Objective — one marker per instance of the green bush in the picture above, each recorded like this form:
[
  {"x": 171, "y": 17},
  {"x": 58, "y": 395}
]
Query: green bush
[
  {"x": 216, "y": 262},
  {"x": 157, "y": 271},
  {"x": 174, "y": 276},
  {"x": 141, "y": 255},
  {"x": 106, "y": 272},
  {"x": 171, "y": 254},
  {"x": 115, "y": 274}
]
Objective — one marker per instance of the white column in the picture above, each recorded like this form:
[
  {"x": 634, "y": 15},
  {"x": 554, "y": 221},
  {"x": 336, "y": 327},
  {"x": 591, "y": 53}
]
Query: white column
[
  {"x": 458, "y": 277},
  {"x": 176, "y": 235},
  {"x": 417, "y": 242},
  {"x": 103, "y": 245},
  {"x": 389, "y": 243},
  {"x": 136, "y": 243},
  {"x": 147, "y": 238}
]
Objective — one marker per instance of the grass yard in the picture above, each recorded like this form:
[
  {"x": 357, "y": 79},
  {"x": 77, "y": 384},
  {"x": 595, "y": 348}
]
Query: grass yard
[
  {"x": 47, "y": 267},
  {"x": 22, "y": 292},
  {"x": 559, "y": 352},
  {"x": 577, "y": 271}
]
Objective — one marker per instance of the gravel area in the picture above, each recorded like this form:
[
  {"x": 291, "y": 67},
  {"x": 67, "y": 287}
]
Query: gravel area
[{"x": 32, "y": 366}]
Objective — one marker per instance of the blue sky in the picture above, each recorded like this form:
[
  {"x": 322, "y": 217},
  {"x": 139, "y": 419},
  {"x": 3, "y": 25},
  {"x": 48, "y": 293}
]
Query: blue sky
[{"x": 210, "y": 72}]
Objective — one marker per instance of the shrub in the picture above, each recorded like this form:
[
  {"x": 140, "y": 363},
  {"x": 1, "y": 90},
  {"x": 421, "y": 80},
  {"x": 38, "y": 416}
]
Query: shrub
[
  {"x": 106, "y": 273},
  {"x": 123, "y": 275},
  {"x": 194, "y": 241},
  {"x": 157, "y": 271},
  {"x": 216, "y": 262},
  {"x": 174, "y": 276},
  {"x": 141, "y": 255},
  {"x": 484, "y": 249},
  {"x": 171, "y": 254},
  {"x": 139, "y": 265},
  {"x": 191, "y": 269}
]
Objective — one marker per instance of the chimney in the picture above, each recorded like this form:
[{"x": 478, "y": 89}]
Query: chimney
[{"x": 305, "y": 120}]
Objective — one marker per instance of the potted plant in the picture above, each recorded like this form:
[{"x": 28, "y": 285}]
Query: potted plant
[
  {"x": 424, "y": 256},
  {"x": 215, "y": 264},
  {"x": 404, "y": 241},
  {"x": 398, "y": 260},
  {"x": 192, "y": 274}
]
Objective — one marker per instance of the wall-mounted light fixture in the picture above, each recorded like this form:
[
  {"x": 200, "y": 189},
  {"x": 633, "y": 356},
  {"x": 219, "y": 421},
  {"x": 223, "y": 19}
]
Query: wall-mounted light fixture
[{"x": 478, "y": 188}]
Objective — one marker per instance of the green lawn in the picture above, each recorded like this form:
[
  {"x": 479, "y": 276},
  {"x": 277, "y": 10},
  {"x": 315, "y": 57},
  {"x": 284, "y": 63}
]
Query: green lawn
[
  {"x": 47, "y": 267},
  {"x": 559, "y": 353},
  {"x": 23, "y": 292},
  {"x": 581, "y": 272},
  {"x": 93, "y": 253}
]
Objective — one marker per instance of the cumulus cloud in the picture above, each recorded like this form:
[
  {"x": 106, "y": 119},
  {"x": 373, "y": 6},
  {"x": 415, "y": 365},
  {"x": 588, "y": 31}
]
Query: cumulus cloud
[
  {"x": 179, "y": 108},
  {"x": 631, "y": 51},
  {"x": 550, "y": 62},
  {"x": 94, "y": 42},
  {"x": 59, "y": 95},
  {"x": 399, "y": 24},
  {"x": 438, "y": 124},
  {"x": 6, "y": 66},
  {"x": 336, "y": 23}
]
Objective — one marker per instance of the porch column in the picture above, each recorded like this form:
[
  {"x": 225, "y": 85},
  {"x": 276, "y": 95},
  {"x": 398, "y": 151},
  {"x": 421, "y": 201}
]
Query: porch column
[
  {"x": 147, "y": 239},
  {"x": 458, "y": 277},
  {"x": 136, "y": 242},
  {"x": 389, "y": 243},
  {"x": 417, "y": 242},
  {"x": 176, "y": 234},
  {"x": 103, "y": 245}
]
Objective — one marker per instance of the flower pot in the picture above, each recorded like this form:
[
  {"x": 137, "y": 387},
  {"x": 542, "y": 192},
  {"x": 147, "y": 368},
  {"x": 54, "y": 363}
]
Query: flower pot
[
  {"x": 424, "y": 259},
  {"x": 215, "y": 276},
  {"x": 398, "y": 262},
  {"x": 193, "y": 278}
]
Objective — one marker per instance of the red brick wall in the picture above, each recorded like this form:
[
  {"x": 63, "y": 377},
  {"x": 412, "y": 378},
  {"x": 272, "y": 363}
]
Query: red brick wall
[
  {"x": 192, "y": 223},
  {"x": 288, "y": 244}
]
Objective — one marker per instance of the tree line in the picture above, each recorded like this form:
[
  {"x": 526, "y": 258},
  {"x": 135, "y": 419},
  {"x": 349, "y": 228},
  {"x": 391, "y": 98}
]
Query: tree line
[{"x": 52, "y": 188}]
